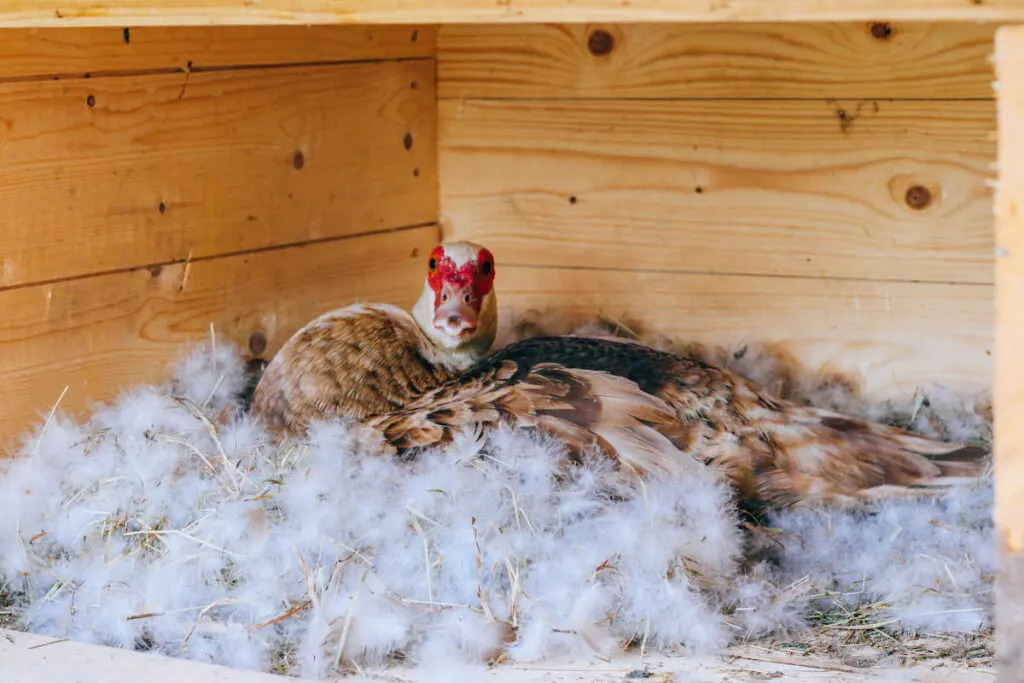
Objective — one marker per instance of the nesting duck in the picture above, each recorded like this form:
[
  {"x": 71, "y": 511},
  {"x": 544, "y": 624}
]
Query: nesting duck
[{"x": 420, "y": 378}]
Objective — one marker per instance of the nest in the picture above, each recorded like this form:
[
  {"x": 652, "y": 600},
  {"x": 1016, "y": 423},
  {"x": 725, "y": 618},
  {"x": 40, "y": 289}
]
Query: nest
[{"x": 169, "y": 522}]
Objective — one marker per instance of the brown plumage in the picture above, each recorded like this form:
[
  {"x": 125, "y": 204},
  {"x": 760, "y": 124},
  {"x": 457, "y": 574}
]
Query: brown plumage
[
  {"x": 421, "y": 378},
  {"x": 775, "y": 452},
  {"x": 360, "y": 361}
]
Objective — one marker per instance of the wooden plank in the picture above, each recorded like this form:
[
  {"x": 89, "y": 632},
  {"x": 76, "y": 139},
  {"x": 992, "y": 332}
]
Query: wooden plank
[
  {"x": 30, "y": 658},
  {"x": 1009, "y": 380},
  {"x": 222, "y": 12},
  {"x": 887, "y": 337},
  {"x": 34, "y": 52},
  {"x": 767, "y": 187},
  {"x": 847, "y": 60},
  {"x": 99, "y": 334},
  {"x": 111, "y": 173}
]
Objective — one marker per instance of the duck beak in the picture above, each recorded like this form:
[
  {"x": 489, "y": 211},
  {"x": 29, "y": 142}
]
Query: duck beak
[{"x": 457, "y": 311}]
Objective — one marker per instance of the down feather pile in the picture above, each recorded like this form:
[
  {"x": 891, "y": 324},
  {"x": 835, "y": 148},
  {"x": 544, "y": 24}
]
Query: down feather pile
[{"x": 167, "y": 521}]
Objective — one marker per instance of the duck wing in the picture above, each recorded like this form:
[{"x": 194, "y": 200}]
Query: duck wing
[
  {"x": 775, "y": 452},
  {"x": 782, "y": 454},
  {"x": 587, "y": 409}
]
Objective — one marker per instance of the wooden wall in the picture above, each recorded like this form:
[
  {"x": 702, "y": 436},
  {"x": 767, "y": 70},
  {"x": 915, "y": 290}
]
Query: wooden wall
[
  {"x": 824, "y": 186},
  {"x": 158, "y": 181}
]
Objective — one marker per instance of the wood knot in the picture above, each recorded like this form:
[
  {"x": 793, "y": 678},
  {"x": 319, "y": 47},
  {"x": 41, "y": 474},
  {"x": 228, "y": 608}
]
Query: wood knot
[
  {"x": 161, "y": 207},
  {"x": 881, "y": 30},
  {"x": 257, "y": 343},
  {"x": 90, "y": 101},
  {"x": 600, "y": 42},
  {"x": 572, "y": 199},
  {"x": 407, "y": 141},
  {"x": 298, "y": 160},
  {"x": 918, "y": 197}
]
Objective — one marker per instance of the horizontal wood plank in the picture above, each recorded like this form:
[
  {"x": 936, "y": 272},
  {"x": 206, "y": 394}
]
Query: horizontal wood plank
[
  {"x": 849, "y": 189},
  {"x": 875, "y": 59},
  {"x": 104, "y": 174},
  {"x": 100, "y": 334},
  {"x": 221, "y": 12},
  {"x": 42, "y": 52},
  {"x": 888, "y": 338}
]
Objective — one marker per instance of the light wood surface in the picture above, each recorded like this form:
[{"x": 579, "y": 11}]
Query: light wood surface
[
  {"x": 758, "y": 187},
  {"x": 103, "y": 174},
  {"x": 206, "y": 12},
  {"x": 887, "y": 337},
  {"x": 62, "y": 51},
  {"x": 869, "y": 59},
  {"x": 32, "y": 658},
  {"x": 100, "y": 334},
  {"x": 1009, "y": 376},
  {"x": 1009, "y": 210}
]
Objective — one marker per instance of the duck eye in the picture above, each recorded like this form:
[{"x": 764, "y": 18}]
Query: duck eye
[{"x": 486, "y": 268}]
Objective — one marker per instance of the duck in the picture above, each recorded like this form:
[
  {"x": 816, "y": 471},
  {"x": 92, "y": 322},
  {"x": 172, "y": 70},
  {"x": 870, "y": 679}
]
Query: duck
[{"x": 422, "y": 378}]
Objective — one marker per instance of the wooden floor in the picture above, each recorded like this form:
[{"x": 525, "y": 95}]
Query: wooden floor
[{"x": 31, "y": 658}]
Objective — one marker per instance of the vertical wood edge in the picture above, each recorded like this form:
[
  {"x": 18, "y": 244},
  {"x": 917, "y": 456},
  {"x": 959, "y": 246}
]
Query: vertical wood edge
[{"x": 1009, "y": 377}]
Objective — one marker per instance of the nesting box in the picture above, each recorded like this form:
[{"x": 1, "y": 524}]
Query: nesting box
[{"x": 814, "y": 175}]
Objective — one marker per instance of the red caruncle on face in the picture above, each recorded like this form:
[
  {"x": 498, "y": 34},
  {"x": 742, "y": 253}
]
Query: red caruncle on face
[{"x": 476, "y": 277}]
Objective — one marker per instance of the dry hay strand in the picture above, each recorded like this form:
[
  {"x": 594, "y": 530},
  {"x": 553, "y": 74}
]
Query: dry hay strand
[{"x": 257, "y": 474}]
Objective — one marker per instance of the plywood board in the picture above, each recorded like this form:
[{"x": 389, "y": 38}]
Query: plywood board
[
  {"x": 30, "y": 658},
  {"x": 872, "y": 189},
  {"x": 1009, "y": 376},
  {"x": 869, "y": 59},
  {"x": 889, "y": 338},
  {"x": 63, "y": 51},
  {"x": 103, "y": 174},
  {"x": 1009, "y": 211},
  {"x": 100, "y": 334},
  {"x": 206, "y": 12}
]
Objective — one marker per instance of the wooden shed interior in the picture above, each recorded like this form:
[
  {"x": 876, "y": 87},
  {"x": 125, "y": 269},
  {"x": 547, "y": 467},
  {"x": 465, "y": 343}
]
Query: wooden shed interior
[
  {"x": 823, "y": 185},
  {"x": 824, "y": 181}
]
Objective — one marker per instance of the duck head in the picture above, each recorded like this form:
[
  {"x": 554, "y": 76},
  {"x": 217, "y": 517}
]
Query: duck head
[{"x": 458, "y": 308}]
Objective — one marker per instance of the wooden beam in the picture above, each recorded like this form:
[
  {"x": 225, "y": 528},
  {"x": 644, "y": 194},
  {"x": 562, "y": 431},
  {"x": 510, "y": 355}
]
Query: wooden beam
[
  {"x": 1009, "y": 376},
  {"x": 100, "y": 334},
  {"x": 886, "y": 190},
  {"x": 104, "y": 174},
  {"x": 856, "y": 60},
  {"x": 208, "y": 12},
  {"x": 44, "y": 53}
]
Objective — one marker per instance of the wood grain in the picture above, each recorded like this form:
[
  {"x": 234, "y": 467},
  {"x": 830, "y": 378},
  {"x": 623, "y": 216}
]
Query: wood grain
[
  {"x": 771, "y": 188},
  {"x": 104, "y": 174},
  {"x": 100, "y": 334},
  {"x": 1009, "y": 211},
  {"x": 1009, "y": 378},
  {"x": 888, "y": 337},
  {"x": 846, "y": 60},
  {"x": 222, "y": 12},
  {"x": 43, "y": 52}
]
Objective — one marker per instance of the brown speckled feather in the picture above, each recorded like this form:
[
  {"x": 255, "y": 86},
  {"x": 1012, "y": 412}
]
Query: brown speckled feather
[
  {"x": 585, "y": 408},
  {"x": 775, "y": 452},
  {"x": 355, "y": 362}
]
